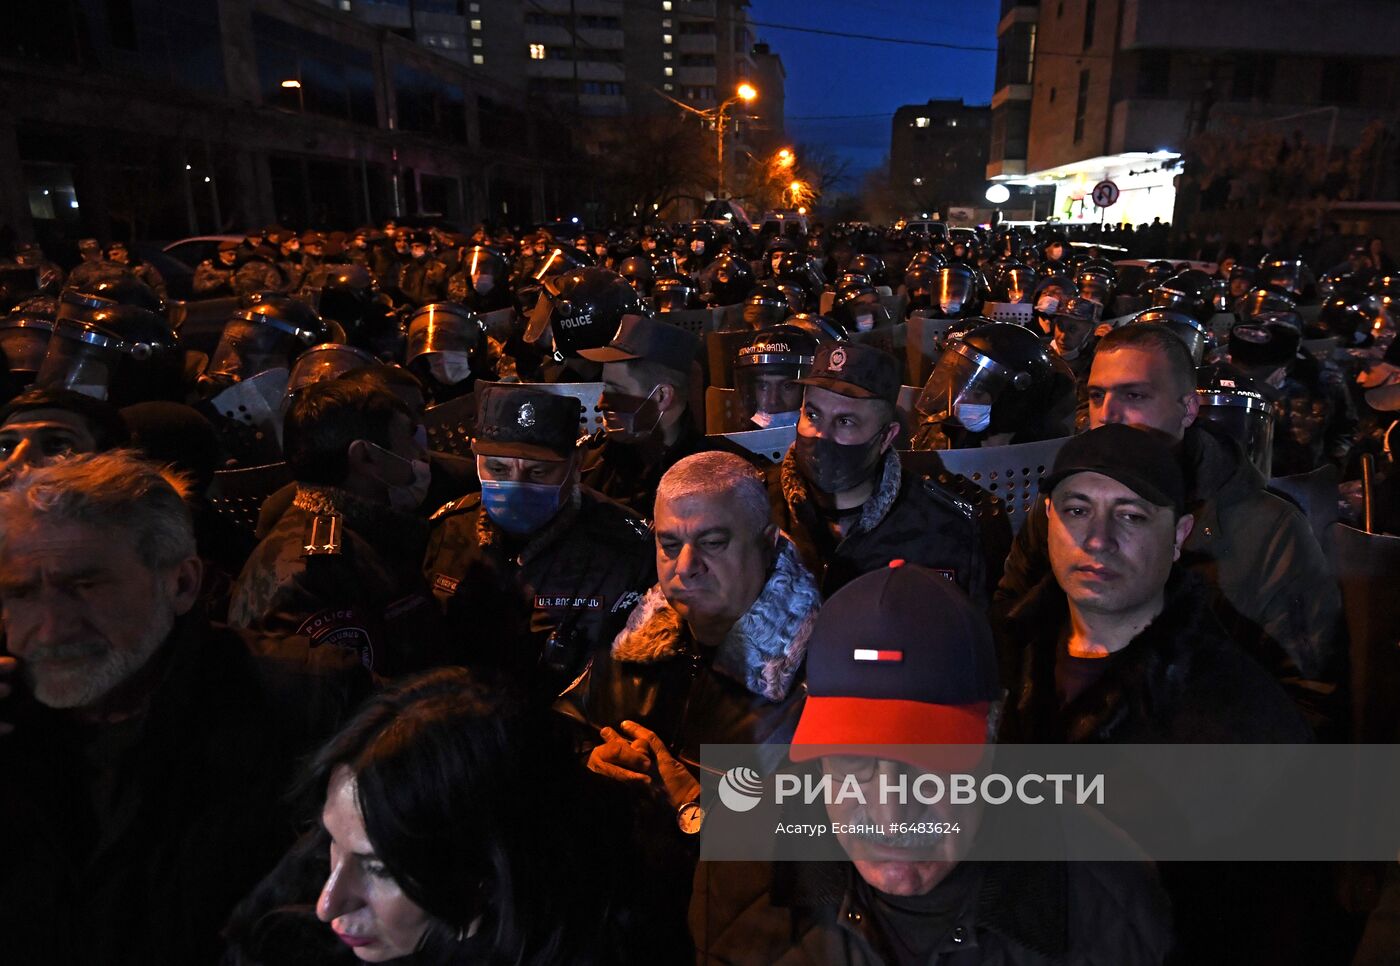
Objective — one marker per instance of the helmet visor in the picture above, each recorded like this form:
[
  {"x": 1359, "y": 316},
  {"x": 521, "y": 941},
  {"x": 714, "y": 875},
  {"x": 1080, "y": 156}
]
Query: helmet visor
[
  {"x": 247, "y": 348},
  {"x": 963, "y": 376},
  {"x": 951, "y": 291},
  {"x": 1245, "y": 417},
  {"x": 78, "y": 359},
  {"x": 435, "y": 330},
  {"x": 326, "y": 362},
  {"x": 25, "y": 345},
  {"x": 769, "y": 388},
  {"x": 1020, "y": 282}
]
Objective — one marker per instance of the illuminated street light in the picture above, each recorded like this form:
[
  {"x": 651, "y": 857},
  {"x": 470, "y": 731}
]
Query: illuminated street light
[
  {"x": 716, "y": 116},
  {"x": 998, "y": 194},
  {"x": 293, "y": 84}
]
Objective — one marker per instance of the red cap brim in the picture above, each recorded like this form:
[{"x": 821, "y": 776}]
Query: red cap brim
[{"x": 941, "y": 737}]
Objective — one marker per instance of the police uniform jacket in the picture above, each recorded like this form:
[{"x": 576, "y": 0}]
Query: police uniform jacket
[
  {"x": 579, "y": 577},
  {"x": 337, "y": 570}
]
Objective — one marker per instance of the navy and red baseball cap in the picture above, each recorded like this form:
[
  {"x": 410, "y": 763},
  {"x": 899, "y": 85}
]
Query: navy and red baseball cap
[{"x": 898, "y": 657}]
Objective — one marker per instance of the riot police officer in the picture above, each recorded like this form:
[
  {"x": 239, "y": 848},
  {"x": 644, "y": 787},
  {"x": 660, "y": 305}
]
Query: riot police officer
[
  {"x": 995, "y": 386},
  {"x": 1072, "y": 338},
  {"x": 725, "y": 281},
  {"x": 580, "y": 560},
  {"x": 482, "y": 283},
  {"x": 24, "y": 341},
  {"x": 1315, "y": 419},
  {"x": 115, "y": 343},
  {"x": 443, "y": 340},
  {"x": 674, "y": 292},
  {"x": 349, "y": 297},
  {"x": 766, "y": 373},
  {"x": 648, "y": 368}
]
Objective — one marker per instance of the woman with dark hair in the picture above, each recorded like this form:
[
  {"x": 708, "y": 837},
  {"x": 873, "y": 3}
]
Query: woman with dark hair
[{"x": 458, "y": 826}]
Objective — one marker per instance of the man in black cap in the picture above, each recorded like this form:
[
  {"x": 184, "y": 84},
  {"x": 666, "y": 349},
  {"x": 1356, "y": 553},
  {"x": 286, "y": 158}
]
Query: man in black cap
[
  {"x": 647, "y": 371},
  {"x": 1119, "y": 644},
  {"x": 902, "y": 661},
  {"x": 1268, "y": 580},
  {"x": 843, "y": 497},
  {"x": 581, "y": 560}
]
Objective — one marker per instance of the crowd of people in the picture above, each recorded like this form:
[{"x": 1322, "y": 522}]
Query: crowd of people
[{"x": 392, "y": 627}]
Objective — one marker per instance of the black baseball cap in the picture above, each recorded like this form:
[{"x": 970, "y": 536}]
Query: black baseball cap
[
  {"x": 857, "y": 371},
  {"x": 897, "y": 657},
  {"x": 1141, "y": 459},
  {"x": 643, "y": 337},
  {"x": 526, "y": 423}
]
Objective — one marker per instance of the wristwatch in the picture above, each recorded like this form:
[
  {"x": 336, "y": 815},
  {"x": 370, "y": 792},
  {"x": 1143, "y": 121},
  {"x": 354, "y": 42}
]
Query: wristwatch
[{"x": 690, "y": 817}]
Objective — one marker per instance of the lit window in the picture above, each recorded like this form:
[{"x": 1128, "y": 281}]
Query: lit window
[
  {"x": 921, "y": 122},
  {"x": 474, "y": 8},
  {"x": 670, "y": 71},
  {"x": 665, "y": 38},
  {"x": 669, "y": 87},
  {"x": 478, "y": 59},
  {"x": 476, "y": 41},
  {"x": 666, "y": 5},
  {"x": 952, "y": 122},
  {"x": 476, "y": 24},
  {"x": 667, "y": 55},
  {"x": 918, "y": 181},
  {"x": 537, "y": 52},
  {"x": 344, "y": 4},
  {"x": 666, "y": 23}
]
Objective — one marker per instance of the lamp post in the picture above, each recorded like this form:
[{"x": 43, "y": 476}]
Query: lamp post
[{"x": 745, "y": 92}]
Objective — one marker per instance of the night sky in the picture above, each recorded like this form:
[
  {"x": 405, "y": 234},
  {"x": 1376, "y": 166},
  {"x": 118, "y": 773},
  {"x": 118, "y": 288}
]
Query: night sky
[{"x": 831, "y": 78}]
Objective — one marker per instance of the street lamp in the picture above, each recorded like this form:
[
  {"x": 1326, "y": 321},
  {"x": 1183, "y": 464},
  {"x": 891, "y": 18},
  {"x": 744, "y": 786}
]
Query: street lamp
[
  {"x": 745, "y": 93},
  {"x": 797, "y": 188},
  {"x": 716, "y": 115},
  {"x": 292, "y": 84},
  {"x": 786, "y": 158}
]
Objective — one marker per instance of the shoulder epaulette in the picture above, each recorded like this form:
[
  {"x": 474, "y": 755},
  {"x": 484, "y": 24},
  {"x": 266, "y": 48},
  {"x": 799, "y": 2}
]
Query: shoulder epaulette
[
  {"x": 322, "y": 536},
  {"x": 459, "y": 505}
]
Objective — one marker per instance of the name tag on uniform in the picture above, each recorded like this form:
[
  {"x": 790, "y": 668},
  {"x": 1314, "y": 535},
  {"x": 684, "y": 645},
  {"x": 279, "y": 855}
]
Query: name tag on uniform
[
  {"x": 448, "y": 585},
  {"x": 553, "y": 602}
]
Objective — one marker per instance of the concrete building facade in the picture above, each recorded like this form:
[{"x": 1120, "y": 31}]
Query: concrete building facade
[
  {"x": 1089, "y": 90},
  {"x": 938, "y": 155},
  {"x": 163, "y": 118}
]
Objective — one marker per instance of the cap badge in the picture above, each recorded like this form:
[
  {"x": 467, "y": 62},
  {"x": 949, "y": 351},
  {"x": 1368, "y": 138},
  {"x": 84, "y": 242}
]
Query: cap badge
[
  {"x": 837, "y": 361},
  {"x": 527, "y": 415},
  {"x": 877, "y": 657}
]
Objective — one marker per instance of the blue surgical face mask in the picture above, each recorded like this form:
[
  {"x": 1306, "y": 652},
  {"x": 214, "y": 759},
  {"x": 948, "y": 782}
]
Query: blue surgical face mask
[
  {"x": 974, "y": 417},
  {"x": 521, "y": 508}
]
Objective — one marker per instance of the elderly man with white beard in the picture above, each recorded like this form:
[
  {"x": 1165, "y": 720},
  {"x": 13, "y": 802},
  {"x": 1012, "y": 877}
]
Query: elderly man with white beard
[{"x": 145, "y": 752}]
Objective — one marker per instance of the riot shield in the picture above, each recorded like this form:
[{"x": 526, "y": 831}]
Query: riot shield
[
  {"x": 238, "y": 495},
  {"x": 771, "y": 444},
  {"x": 1009, "y": 473},
  {"x": 451, "y": 425},
  {"x": 250, "y": 417}
]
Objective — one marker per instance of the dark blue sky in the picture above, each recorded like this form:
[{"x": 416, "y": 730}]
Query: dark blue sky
[{"x": 829, "y": 78}]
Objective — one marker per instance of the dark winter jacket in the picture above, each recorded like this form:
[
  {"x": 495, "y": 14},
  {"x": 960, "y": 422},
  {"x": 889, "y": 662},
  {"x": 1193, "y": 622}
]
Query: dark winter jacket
[
  {"x": 946, "y": 524},
  {"x": 746, "y": 691},
  {"x": 1270, "y": 583},
  {"x": 130, "y": 842},
  {"x": 1013, "y": 913},
  {"x": 1180, "y": 681},
  {"x": 360, "y": 589},
  {"x": 577, "y": 579}
]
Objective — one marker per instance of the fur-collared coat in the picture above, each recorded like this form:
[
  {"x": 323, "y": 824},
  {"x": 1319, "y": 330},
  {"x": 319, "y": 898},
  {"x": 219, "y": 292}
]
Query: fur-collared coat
[
  {"x": 746, "y": 691},
  {"x": 935, "y": 523}
]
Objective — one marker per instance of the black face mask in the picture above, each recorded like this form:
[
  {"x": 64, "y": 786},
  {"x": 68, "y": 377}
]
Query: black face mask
[{"x": 836, "y": 467}]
